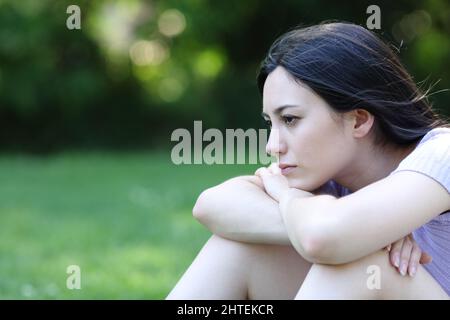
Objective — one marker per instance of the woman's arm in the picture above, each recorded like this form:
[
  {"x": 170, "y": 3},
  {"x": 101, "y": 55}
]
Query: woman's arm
[
  {"x": 311, "y": 223},
  {"x": 239, "y": 209},
  {"x": 335, "y": 231}
]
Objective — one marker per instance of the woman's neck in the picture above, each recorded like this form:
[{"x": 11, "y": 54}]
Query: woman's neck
[{"x": 372, "y": 165}]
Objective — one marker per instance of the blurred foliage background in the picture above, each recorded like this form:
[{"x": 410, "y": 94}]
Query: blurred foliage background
[
  {"x": 138, "y": 69},
  {"x": 86, "y": 117}
]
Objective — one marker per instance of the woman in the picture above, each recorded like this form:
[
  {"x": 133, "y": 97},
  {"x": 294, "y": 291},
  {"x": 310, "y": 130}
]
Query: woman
[{"x": 362, "y": 162}]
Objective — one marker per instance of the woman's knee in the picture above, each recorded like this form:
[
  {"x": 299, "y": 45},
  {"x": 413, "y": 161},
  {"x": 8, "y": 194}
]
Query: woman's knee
[
  {"x": 390, "y": 284},
  {"x": 219, "y": 271},
  {"x": 230, "y": 247},
  {"x": 359, "y": 279},
  {"x": 277, "y": 272},
  {"x": 235, "y": 252},
  {"x": 270, "y": 271},
  {"x": 371, "y": 277}
]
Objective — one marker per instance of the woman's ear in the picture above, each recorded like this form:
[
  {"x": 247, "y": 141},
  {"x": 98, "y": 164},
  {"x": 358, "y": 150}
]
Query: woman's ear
[{"x": 361, "y": 121}]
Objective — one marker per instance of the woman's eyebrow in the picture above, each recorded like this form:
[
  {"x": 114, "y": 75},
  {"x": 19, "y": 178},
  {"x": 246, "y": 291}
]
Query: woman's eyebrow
[{"x": 279, "y": 109}]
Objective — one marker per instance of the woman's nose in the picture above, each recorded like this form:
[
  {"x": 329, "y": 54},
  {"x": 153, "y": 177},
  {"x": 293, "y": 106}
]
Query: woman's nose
[{"x": 275, "y": 146}]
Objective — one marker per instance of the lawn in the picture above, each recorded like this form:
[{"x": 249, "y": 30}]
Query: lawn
[{"x": 124, "y": 218}]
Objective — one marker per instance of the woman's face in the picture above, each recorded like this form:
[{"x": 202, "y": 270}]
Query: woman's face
[{"x": 304, "y": 134}]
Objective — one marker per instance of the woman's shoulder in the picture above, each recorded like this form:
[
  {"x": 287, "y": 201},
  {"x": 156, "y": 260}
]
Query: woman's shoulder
[
  {"x": 436, "y": 134},
  {"x": 436, "y": 143},
  {"x": 431, "y": 157}
]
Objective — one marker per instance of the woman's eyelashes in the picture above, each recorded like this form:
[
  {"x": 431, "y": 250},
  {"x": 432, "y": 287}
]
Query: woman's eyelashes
[{"x": 289, "y": 120}]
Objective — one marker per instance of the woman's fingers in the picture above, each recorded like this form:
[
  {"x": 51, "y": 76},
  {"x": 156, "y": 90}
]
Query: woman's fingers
[
  {"x": 275, "y": 184},
  {"x": 274, "y": 168},
  {"x": 394, "y": 254},
  {"x": 405, "y": 255},
  {"x": 263, "y": 171},
  {"x": 425, "y": 258},
  {"x": 416, "y": 253}
]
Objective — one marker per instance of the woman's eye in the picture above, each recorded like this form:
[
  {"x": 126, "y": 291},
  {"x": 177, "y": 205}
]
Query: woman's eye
[
  {"x": 289, "y": 120},
  {"x": 268, "y": 123}
]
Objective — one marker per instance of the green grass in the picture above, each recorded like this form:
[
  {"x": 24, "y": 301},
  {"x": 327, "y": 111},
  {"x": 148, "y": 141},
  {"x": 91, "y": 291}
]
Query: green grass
[{"x": 124, "y": 219}]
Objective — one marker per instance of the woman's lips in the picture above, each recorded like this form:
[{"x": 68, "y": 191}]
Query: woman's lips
[{"x": 287, "y": 169}]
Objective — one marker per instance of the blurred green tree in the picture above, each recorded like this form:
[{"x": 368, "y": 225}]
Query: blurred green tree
[{"x": 139, "y": 69}]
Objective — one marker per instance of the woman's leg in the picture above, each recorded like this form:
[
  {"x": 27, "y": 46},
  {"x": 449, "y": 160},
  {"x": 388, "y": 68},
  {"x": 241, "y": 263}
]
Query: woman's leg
[
  {"x": 226, "y": 269},
  {"x": 354, "y": 280}
]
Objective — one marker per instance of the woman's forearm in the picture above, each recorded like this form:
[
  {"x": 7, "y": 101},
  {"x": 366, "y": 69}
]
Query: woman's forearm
[{"x": 240, "y": 210}]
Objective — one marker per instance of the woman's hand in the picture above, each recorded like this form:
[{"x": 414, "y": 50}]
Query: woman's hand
[
  {"x": 275, "y": 184},
  {"x": 406, "y": 255}
]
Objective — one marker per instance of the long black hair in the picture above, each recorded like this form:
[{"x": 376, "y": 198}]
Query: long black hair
[{"x": 350, "y": 67}]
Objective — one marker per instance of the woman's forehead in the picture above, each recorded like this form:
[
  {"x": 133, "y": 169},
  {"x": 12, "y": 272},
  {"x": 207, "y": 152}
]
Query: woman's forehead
[{"x": 280, "y": 90}]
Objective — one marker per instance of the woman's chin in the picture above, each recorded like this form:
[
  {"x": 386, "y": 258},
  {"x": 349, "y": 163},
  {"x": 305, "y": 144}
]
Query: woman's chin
[{"x": 301, "y": 184}]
